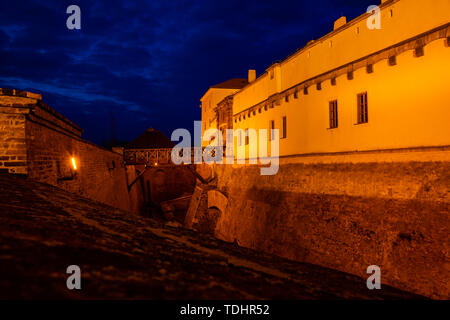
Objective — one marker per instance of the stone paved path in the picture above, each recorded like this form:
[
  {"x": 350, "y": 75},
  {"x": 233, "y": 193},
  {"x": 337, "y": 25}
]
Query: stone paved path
[{"x": 43, "y": 230}]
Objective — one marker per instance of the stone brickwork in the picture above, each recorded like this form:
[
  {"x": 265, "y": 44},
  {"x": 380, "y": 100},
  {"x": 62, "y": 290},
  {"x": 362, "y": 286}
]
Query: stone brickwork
[
  {"x": 346, "y": 216},
  {"x": 14, "y": 107},
  {"x": 38, "y": 141},
  {"x": 44, "y": 229}
]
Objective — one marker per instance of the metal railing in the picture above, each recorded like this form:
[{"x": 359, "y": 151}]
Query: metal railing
[{"x": 154, "y": 157}]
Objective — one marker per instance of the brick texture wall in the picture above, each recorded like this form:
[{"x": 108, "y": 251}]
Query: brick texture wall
[
  {"x": 13, "y": 152},
  {"x": 37, "y": 141},
  {"x": 347, "y": 217}
]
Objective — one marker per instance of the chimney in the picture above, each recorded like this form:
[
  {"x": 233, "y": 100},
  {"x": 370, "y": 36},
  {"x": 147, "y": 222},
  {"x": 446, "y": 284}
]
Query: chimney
[
  {"x": 251, "y": 76},
  {"x": 340, "y": 22}
]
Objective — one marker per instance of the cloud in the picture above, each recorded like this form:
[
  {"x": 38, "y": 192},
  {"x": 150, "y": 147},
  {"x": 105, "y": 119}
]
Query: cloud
[{"x": 149, "y": 61}]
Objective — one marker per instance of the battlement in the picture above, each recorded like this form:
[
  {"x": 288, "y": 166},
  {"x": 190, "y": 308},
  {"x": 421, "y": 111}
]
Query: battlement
[{"x": 20, "y": 93}]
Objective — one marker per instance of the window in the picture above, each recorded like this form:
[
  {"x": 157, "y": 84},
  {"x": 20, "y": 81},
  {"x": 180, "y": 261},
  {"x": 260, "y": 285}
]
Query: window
[
  {"x": 305, "y": 91},
  {"x": 418, "y": 52},
  {"x": 369, "y": 68},
  {"x": 284, "y": 133},
  {"x": 319, "y": 86},
  {"x": 333, "y": 81},
  {"x": 286, "y": 98},
  {"x": 333, "y": 114},
  {"x": 392, "y": 60},
  {"x": 272, "y": 127},
  {"x": 247, "y": 137},
  {"x": 363, "y": 116},
  {"x": 296, "y": 94},
  {"x": 350, "y": 75}
]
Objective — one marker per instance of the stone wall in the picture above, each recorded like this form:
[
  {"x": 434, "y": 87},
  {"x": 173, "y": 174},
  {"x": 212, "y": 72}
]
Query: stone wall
[
  {"x": 158, "y": 184},
  {"x": 37, "y": 141},
  {"x": 346, "y": 216},
  {"x": 14, "y": 107}
]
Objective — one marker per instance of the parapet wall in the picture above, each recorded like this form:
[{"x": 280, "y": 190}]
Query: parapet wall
[
  {"x": 37, "y": 141},
  {"x": 346, "y": 216}
]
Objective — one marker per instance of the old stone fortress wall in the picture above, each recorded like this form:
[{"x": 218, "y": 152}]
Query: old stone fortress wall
[
  {"x": 362, "y": 190},
  {"x": 347, "y": 197},
  {"x": 37, "y": 141}
]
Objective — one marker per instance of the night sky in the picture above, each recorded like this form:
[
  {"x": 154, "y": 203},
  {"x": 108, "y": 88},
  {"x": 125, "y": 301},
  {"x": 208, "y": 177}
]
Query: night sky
[{"x": 149, "y": 62}]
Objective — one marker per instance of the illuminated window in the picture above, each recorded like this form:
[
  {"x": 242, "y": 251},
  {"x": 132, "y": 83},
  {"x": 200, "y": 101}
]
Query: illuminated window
[
  {"x": 272, "y": 127},
  {"x": 284, "y": 132},
  {"x": 363, "y": 115},
  {"x": 333, "y": 114}
]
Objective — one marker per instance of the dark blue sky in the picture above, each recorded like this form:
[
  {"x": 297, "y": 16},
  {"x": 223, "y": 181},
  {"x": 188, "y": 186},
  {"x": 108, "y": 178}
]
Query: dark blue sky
[{"x": 149, "y": 62}]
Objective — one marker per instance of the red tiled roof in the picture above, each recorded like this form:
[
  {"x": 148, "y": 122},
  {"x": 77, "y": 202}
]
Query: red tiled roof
[
  {"x": 235, "y": 83},
  {"x": 151, "y": 139}
]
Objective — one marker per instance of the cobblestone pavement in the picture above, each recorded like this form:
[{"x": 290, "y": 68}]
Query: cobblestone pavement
[{"x": 43, "y": 230}]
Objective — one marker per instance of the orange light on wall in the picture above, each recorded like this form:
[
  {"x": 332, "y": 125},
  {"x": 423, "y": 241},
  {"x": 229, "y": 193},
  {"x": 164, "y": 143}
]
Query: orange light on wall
[{"x": 74, "y": 164}]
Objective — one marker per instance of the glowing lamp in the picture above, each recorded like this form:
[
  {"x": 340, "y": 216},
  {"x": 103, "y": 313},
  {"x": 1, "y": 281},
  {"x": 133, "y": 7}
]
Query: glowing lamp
[
  {"x": 74, "y": 164},
  {"x": 156, "y": 164}
]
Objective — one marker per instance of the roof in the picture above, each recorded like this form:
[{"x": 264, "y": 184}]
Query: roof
[
  {"x": 151, "y": 139},
  {"x": 235, "y": 83}
]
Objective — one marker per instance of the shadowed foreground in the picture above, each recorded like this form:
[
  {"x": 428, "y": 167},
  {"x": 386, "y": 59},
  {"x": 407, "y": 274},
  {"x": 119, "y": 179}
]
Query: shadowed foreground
[{"x": 43, "y": 230}]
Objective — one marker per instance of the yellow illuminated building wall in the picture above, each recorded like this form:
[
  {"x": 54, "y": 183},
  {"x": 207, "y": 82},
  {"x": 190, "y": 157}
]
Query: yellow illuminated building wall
[
  {"x": 212, "y": 97},
  {"x": 404, "y": 69}
]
